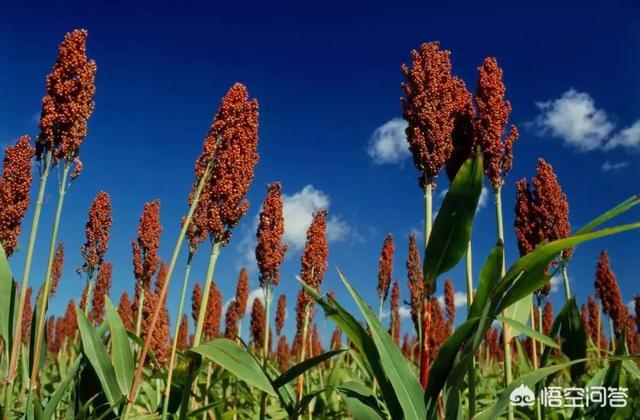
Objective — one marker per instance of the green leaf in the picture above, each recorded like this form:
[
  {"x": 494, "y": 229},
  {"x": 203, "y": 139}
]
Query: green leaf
[
  {"x": 360, "y": 401},
  {"x": 626, "y": 205},
  {"x": 61, "y": 388},
  {"x": 452, "y": 227},
  {"x": 529, "y": 380},
  {"x": 489, "y": 277},
  {"x": 96, "y": 353},
  {"x": 302, "y": 367},
  {"x": 121, "y": 354},
  {"x": 7, "y": 306},
  {"x": 405, "y": 384},
  {"x": 573, "y": 338},
  {"x": 529, "y": 332},
  {"x": 521, "y": 310},
  {"x": 233, "y": 358}
]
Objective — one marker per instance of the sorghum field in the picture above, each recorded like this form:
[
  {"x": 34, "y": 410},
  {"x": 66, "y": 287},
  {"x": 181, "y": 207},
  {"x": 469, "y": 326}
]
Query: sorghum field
[{"x": 128, "y": 357}]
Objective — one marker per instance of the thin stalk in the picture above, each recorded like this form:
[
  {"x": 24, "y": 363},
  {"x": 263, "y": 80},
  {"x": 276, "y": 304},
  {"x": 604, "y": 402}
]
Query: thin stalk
[
  {"x": 215, "y": 252},
  {"x": 540, "y": 327},
  {"x": 565, "y": 278},
  {"x": 265, "y": 345},
  {"x": 506, "y": 335},
  {"x": 472, "y": 368},
  {"x": 424, "y": 345},
  {"x": 41, "y": 321},
  {"x": 87, "y": 295},
  {"x": 534, "y": 353},
  {"x": 206, "y": 390},
  {"x": 174, "y": 345},
  {"x": 381, "y": 304},
  {"x": 163, "y": 292},
  {"x": 139, "y": 315},
  {"x": 599, "y": 331},
  {"x": 612, "y": 336},
  {"x": 305, "y": 327},
  {"x": 15, "y": 347}
]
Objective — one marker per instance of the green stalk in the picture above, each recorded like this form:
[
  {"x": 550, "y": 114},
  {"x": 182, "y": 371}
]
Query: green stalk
[
  {"x": 265, "y": 345},
  {"x": 41, "y": 321},
  {"x": 506, "y": 336},
  {"x": 174, "y": 345},
  {"x": 140, "y": 304},
  {"x": 87, "y": 295},
  {"x": 215, "y": 252},
  {"x": 612, "y": 336},
  {"x": 472, "y": 368},
  {"x": 565, "y": 278},
  {"x": 305, "y": 327},
  {"x": 206, "y": 390},
  {"x": 428, "y": 221},
  {"x": 163, "y": 292},
  {"x": 15, "y": 347}
]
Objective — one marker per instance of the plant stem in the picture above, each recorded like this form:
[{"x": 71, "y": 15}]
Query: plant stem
[
  {"x": 424, "y": 345},
  {"x": 305, "y": 327},
  {"x": 265, "y": 345},
  {"x": 17, "y": 336},
  {"x": 506, "y": 336},
  {"x": 565, "y": 278},
  {"x": 612, "y": 336},
  {"x": 215, "y": 251},
  {"x": 163, "y": 292},
  {"x": 472, "y": 368},
  {"x": 599, "y": 331},
  {"x": 206, "y": 390},
  {"x": 140, "y": 305},
  {"x": 41, "y": 321},
  {"x": 174, "y": 345}
]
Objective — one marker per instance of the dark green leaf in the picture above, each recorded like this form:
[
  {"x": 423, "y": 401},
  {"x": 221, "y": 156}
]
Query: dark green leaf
[
  {"x": 529, "y": 332},
  {"x": 489, "y": 277},
  {"x": 302, "y": 367},
  {"x": 121, "y": 354},
  {"x": 360, "y": 401}
]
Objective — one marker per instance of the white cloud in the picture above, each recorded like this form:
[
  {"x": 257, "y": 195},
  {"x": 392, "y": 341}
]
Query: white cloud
[
  {"x": 555, "y": 283},
  {"x": 613, "y": 166},
  {"x": 459, "y": 299},
  {"x": 388, "y": 143},
  {"x": 575, "y": 119},
  {"x": 629, "y": 138},
  {"x": 403, "y": 310}
]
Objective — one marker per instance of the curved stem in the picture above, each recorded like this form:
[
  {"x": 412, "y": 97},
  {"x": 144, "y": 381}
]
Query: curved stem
[
  {"x": 565, "y": 278},
  {"x": 41, "y": 321},
  {"x": 215, "y": 251}
]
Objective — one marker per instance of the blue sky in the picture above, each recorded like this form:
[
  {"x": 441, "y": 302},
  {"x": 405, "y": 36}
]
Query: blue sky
[{"x": 327, "y": 76}]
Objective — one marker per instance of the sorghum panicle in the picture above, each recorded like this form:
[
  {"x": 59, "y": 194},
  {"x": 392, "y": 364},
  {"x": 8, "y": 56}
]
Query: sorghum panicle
[
  {"x": 211, "y": 326},
  {"x": 15, "y": 185},
  {"x": 449, "y": 301},
  {"x": 316, "y": 345},
  {"x": 242, "y": 292},
  {"x": 270, "y": 251},
  {"x": 257, "y": 323},
  {"x": 463, "y": 135},
  {"x": 283, "y": 354},
  {"x": 196, "y": 301},
  {"x": 415, "y": 282},
  {"x": 281, "y": 313},
  {"x": 428, "y": 108},
  {"x": 608, "y": 291},
  {"x": 336, "y": 339},
  {"x": 126, "y": 312},
  {"x": 316, "y": 250},
  {"x": 68, "y": 103},
  {"x": 231, "y": 321},
  {"x": 395, "y": 313},
  {"x": 103, "y": 284},
  {"x": 547, "y": 318},
  {"x": 183, "y": 333},
  {"x": 83, "y": 297},
  {"x": 234, "y": 137},
  {"x": 97, "y": 231},
  {"x": 27, "y": 315},
  {"x": 145, "y": 248},
  {"x": 159, "y": 342},
  {"x": 52, "y": 344},
  {"x": 56, "y": 268},
  {"x": 385, "y": 267},
  {"x": 493, "y": 115}
]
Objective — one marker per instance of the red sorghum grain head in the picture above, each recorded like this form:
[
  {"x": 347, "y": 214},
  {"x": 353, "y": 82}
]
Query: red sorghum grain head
[
  {"x": 636, "y": 299},
  {"x": 159, "y": 342},
  {"x": 270, "y": 250},
  {"x": 336, "y": 339},
  {"x": 15, "y": 184},
  {"x": 70, "y": 321},
  {"x": 415, "y": 281},
  {"x": 608, "y": 291},
  {"x": 303, "y": 301},
  {"x": 183, "y": 333},
  {"x": 385, "y": 267},
  {"x": 97, "y": 231},
  {"x": 449, "y": 301},
  {"x": 547, "y": 318},
  {"x": 316, "y": 250},
  {"x": 428, "y": 107},
  {"x": 439, "y": 328},
  {"x": 395, "y": 313},
  {"x": 56, "y": 268},
  {"x": 196, "y": 301},
  {"x": 281, "y": 313},
  {"x": 145, "y": 248},
  {"x": 594, "y": 317},
  {"x": 242, "y": 292},
  {"x": 126, "y": 313},
  {"x": 68, "y": 103},
  {"x": 406, "y": 346},
  {"x": 52, "y": 344},
  {"x": 463, "y": 135},
  {"x": 234, "y": 137},
  {"x": 231, "y": 321},
  {"x": 283, "y": 354},
  {"x": 83, "y": 297},
  {"x": 257, "y": 323},
  {"x": 493, "y": 115},
  {"x": 211, "y": 326},
  {"x": 103, "y": 284},
  {"x": 161, "y": 277},
  {"x": 316, "y": 344},
  {"x": 27, "y": 316},
  {"x": 584, "y": 314},
  {"x": 492, "y": 341}
]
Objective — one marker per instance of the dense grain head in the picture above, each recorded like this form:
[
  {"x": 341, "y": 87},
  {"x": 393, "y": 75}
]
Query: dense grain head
[
  {"x": 15, "y": 186},
  {"x": 493, "y": 115},
  {"x": 385, "y": 267},
  {"x": 394, "y": 328},
  {"x": 145, "y": 247},
  {"x": 231, "y": 319},
  {"x": 211, "y": 326},
  {"x": 608, "y": 290},
  {"x": 103, "y": 284},
  {"x": 126, "y": 313},
  {"x": 242, "y": 292},
  {"x": 463, "y": 135},
  {"x": 56, "y": 268},
  {"x": 183, "y": 333},
  {"x": 257, "y": 323},
  {"x": 270, "y": 250},
  {"x": 97, "y": 232},
  {"x": 415, "y": 282},
  {"x": 281, "y": 313},
  {"x": 449, "y": 301},
  {"x": 196, "y": 301},
  {"x": 27, "y": 315}
]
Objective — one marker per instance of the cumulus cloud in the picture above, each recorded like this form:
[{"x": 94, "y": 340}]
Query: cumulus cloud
[
  {"x": 257, "y": 293},
  {"x": 628, "y": 138},
  {"x": 403, "y": 310},
  {"x": 388, "y": 143},
  {"x": 459, "y": 299},
  {"x": 613, "y": 166},
  {"x": 575, "y": 119},
  {"x": 555, "y": 283}
]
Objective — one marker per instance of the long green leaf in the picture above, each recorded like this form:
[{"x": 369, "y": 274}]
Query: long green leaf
[
  {"x": 97, "y": 355},
  {"x": 625, "y": 206},
  {"x": 121, "y": 354},
  {"x": 526, "y": 330},
  {"x": 360, "y": 401},
  {"x": 489, "y": 277},
  {"x": 61, "y": 388},
  {"x": 7, "y": 306},
  {"x": 404, "y": 382},
  {"x": 452, "y": 227},
  {"x": 230, "y": 356},
  {"x": 302, "y": 367}
]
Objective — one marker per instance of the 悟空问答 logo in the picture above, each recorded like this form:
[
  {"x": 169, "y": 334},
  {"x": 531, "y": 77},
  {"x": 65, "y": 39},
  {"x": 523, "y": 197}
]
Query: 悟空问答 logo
[{"x": 522, "y": 396}]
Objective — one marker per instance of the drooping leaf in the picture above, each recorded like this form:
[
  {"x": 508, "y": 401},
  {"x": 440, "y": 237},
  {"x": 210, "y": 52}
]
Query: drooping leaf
[
  {"x": 230, "y": 356},
  {"x": 302, "y": 367},
  {"x": 529, "y": 332},
  {"x": 452, "y": 227},
  {"x": 121, "y": 355},
  {"x": 489, "y": 277},
  {"x": 97, "y": 355},
  {"x": 7, "y": 306},
  {"x": 360, "y": 401}
]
